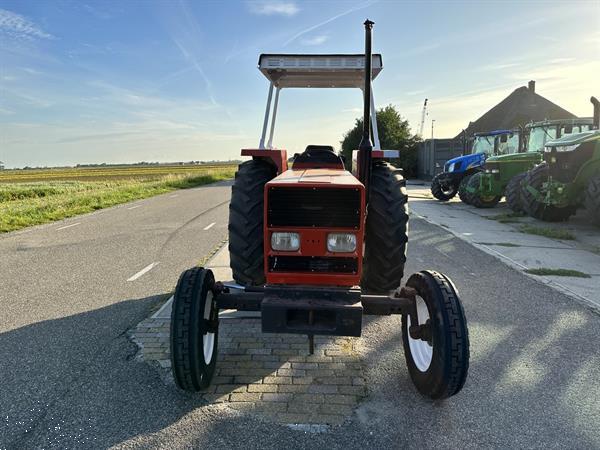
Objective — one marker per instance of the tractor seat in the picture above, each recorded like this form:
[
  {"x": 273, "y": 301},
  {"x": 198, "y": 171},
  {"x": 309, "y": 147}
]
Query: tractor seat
[{"x": 318, "y": 157}]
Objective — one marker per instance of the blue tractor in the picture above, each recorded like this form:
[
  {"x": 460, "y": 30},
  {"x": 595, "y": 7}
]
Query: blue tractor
[{"x": 452, "y": 180}]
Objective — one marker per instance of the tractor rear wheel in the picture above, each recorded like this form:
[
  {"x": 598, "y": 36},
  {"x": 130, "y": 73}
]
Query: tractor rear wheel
[
  {"x": 464, "y": 195},
  {"x": 194, "y": 330},
  {"x": 246, "y": 221},
  {"x": 476, "y": 198},
  {"x": 386, "y": 231},
  {"x": 442, "y": 191},
  {"x": 592, "y": 200},
  {"x": 535, "y": 178},
  {"x": 437, "y": 360},
  {"x": 513, "y": 193}
]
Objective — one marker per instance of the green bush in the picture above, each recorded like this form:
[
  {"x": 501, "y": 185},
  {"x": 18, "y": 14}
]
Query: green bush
[{"x": 394, "y": 134}]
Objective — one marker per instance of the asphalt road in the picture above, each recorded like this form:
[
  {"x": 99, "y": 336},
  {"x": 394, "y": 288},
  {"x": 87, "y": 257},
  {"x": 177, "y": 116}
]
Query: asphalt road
[{"x": 68, "y": 379}]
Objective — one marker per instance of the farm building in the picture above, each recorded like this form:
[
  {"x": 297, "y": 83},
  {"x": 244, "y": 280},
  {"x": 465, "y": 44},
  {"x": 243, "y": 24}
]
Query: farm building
[{"x": 522, "y": 106}]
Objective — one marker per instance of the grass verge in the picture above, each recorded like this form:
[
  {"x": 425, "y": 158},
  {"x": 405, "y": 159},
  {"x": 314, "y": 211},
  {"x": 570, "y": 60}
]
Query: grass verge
[
  {"x": 554, "y": 233},
  {"x": 26, "y": 204},
  {"x": 558, "y": 272}
]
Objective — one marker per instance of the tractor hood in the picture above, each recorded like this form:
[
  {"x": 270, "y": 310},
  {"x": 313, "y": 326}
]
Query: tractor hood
[
  {"x": 574, "y": 139},
  {"x": 335, "y": 177},
  {"x": 463, "y": 163},
  {"x": 514, "y": 157}
]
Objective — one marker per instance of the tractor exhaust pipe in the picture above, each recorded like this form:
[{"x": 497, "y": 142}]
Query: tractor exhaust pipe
[
  {"x": 596, "y": 121},
  {"x": 366, "y": 146}
]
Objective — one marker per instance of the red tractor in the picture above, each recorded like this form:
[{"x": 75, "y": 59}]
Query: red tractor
[{"x": 314, "y": 247}]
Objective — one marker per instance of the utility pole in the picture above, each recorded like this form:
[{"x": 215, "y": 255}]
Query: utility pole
[{"x": 432, "y": 122}]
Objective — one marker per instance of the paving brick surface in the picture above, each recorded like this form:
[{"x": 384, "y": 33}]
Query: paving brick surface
[{"x": 272, "y": 374}]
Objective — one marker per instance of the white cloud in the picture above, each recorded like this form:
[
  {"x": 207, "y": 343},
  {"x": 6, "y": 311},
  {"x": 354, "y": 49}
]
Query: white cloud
[
  {"x": 499, "y": 66},
  {"x": 325, "y": 22},
  {"x": 316, "y": 40},
  {"x": 19, "y": 27},
  {"x": 417, "y": 92},
  {"x": 273, "y": 7}
]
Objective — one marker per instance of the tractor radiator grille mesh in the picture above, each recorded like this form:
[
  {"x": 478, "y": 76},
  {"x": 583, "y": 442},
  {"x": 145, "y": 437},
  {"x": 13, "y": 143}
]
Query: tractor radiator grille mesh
[
  {"x": 313, "y": 207},
  {"x": 316, "y": 264}
]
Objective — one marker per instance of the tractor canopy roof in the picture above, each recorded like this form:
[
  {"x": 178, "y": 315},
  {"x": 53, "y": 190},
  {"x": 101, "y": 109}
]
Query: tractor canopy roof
[
  {"x": 576, "y": 121},
  {"x": 575, "y": 139},
  {"x": 317, "y": 71},
  {"x": 496, "y": 133}
]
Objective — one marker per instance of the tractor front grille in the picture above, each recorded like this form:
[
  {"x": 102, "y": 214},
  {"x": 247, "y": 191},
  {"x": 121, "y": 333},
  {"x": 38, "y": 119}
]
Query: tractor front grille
[
  {"x": 314, "y": 264},
  {"x": 313, "y": 207},
  {"x": 567, "y": 164}
]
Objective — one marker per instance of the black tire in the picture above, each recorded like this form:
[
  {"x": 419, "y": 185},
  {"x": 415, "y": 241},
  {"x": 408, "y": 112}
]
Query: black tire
[
  {"x": 513, "y": 193},
  {"x": 194, "y": 317},
  {"x": 449, "y": 364},
  {"x": 437, "y": 190},
  {"x": 535, "y": 208},
  {"x": 475, "y": 198},
  {"x": 592, "y": 200},
  {"x": 465, "y": 197},
  {"x": 246, "y": 221},
  {"x": 386, "y": 231}
]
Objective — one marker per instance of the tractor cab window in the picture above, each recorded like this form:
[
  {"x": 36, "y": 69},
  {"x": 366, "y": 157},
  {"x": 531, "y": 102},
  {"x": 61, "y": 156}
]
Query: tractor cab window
[
  {"x": 538, "y": 136},
  {"x": 569, "y": 129},
  {"x": 484, "y": 144},
  {"x": 508, "y": 144}
]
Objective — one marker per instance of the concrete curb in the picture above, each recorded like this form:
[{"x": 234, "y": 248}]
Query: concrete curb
[{"x": 514, "y": 264}]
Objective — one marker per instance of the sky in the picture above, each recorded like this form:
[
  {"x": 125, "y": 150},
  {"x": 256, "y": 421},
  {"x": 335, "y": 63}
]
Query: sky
[{"x": 174, "y": 80}]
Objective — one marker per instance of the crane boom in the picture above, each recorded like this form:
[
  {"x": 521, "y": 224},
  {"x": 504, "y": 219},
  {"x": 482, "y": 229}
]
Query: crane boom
[{"x": 423, "y": 114}]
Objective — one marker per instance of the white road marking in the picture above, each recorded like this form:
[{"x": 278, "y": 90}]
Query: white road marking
[
  {"x": 208, "y": 227},
  {"x": 173, "y": 196},
  {"x": 148, "y": 268},
  {"x": 69, "y": 226},
  {"x": 133, "y": 207}
]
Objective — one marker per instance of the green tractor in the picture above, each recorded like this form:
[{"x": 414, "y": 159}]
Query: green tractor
[
  {"x": 504, "y": 143},
  {"x": 568, "y": 176},
  {"x": 502, "y": 175}
]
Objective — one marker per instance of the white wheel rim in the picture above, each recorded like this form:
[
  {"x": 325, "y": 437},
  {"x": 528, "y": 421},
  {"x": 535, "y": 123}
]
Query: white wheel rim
[
  {"x": 421, "y": 351},
  {"x": 208, "y": 339}
]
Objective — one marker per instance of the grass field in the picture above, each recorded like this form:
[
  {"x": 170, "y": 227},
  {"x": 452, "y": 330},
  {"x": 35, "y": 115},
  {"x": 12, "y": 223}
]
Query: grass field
[{"x": 36, "y": 196}]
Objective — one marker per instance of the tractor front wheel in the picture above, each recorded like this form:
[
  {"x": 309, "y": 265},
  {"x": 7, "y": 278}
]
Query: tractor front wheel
[
  {"x": 442, "y": 191},
  {"x": 464, "y": 195},
  {"x": 535, "y": 178},
  {"x": 592, "y": 200},
  {"x": 513, "y": 193},
  {"x": 246, "y": 221},
  {"x": 476, "y": 198},
  {"x": 386, "y": 231},
  {"x": 194, "y": 330},
  {"x": 438, "y": 360}
]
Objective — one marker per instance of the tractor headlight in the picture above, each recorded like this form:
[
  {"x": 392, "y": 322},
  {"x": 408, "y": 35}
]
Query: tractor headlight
[
  {"x": 341, "y": 242},
  {"x": 285, "y": 242},
  {"x": 451, "y": 168},
  {"x": 553, "y": 159},
  {"x": 492, "y": 171}
]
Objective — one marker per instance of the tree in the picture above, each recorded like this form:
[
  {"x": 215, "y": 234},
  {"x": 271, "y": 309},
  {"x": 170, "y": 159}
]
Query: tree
[{"x": 394, "y": 134}]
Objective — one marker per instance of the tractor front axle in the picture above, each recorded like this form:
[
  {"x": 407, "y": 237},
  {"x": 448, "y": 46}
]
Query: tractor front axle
[{"x": 318, "y": 311}]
